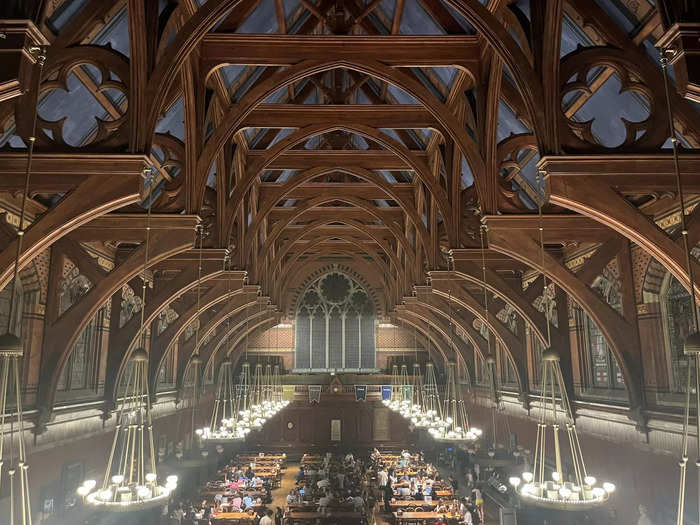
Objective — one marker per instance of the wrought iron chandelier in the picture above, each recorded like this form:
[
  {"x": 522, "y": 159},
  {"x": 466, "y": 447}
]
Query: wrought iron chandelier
[
  {"x": 431, "y": 414},
  {"x": 454, "y": 424},
  {"x": 580, "y": 490},
  {"x": 224, "y": 427},
  {"x": 130, "y": 481}
]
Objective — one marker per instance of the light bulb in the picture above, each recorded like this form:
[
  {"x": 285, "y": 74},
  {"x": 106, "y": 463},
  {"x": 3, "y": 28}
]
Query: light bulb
[
  {"x": 89, "y": 483},
  {"x": 117, "y": 479},
  {"x": 565, "y": 493},
  {"x": 150, "y": 477},
  {"x": 555, "y": 476},
  {"x": 83, "y": 491},
  {"x": 589, "y": 480},
  {"x": 143, "y": 492},
  {"x": 515, "y": 481},
  {"x": 527, "y": 476},
  {"x": 608, "y": 487},
  {"x": 171, "y": 479}
]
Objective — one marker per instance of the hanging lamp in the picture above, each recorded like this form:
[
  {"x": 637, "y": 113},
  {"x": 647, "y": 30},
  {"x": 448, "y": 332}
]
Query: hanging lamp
[
  {"x": 416, "y": 409},
  {"x": 130, "y": 481},
  {"x": 581, "y": 491},
  {"x": 454, "y": 425},
  {"x": 691, "y": 346},
  {"x": 406, "y": 394},
  {"x": 497, "y": 454},
  {"x": 11, "y": 354},
  {"x": 223, "y": 425},
  {"x": 196, "y": 361},
  {"x": 431, "y": 417}
]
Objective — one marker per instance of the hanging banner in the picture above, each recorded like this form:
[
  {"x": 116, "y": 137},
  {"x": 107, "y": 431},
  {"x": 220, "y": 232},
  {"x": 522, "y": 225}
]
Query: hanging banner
[
  {"x": 386, "y": 392},
  {"x": 288, "y": 392},
  {"x": 360, "y": 392},
  {"x": 314, "y": 393}
]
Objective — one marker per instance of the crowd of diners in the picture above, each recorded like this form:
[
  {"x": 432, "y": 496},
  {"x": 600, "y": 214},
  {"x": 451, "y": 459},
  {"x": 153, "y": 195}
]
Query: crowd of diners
[{"x": 330, "y": 489}]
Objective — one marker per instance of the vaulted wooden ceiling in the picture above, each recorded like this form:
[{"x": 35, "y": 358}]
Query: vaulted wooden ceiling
[{"x": 375, "y": 134}]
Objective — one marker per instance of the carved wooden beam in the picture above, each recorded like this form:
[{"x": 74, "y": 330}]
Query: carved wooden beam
[
  {"x": 60, "y": 337},
  {"x": 602, "y": 203},
  {"x": 18, "y": 42},
  {"x": 90, "y": 199},
  {"x": 340, "y": 159},
  {"x": 394, "y": 116},
  {"x": 62, "y": 172},
  {"x": 683, "y": 40},
  {"x": 627, "y": 174},
  {"x": 614, "y": 327},
  {"x": 395, "y": 50},
  {"x": 219, "y": 293},
  {"x": 557, "y": 228}
]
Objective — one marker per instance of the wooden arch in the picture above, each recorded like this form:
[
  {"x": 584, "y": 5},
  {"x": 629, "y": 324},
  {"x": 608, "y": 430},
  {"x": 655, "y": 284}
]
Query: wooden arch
[{"x": 366, "y": 175}]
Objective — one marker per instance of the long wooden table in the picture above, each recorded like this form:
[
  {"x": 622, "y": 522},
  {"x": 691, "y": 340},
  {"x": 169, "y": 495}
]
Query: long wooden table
[
  {"x": 242, "y": 518},
  {"x": 342, "y": 518},
  {"x": 430, "y": 517}
]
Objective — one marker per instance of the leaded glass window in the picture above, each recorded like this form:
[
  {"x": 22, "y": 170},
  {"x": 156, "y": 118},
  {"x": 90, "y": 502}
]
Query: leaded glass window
[{"x": 335, "y": 326}]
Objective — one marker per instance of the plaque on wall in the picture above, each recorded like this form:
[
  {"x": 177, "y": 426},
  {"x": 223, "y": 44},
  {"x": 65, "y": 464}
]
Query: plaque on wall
[
  {"x": 335, "y": 429},
  {"x": 382, "y": 424}
]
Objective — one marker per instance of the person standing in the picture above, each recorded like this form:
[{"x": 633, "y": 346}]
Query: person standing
[
  {"x": 267, "y": 518},
  {"x": 388, "y": 494}
]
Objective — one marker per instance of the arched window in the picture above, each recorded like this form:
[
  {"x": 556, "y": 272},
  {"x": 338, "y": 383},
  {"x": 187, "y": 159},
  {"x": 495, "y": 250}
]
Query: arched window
[
  {"x": 335, "y": 326},
  {"x": 599, "y": 371},
  {"x": 677, "y": 318}
]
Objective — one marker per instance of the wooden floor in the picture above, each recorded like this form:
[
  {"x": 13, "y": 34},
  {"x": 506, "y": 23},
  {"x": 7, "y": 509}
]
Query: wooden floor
[{"x": 279, "y": 497}]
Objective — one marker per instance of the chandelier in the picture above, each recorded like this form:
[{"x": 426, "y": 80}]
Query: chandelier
[
  {"x": 277, "y": 390},
  {"x": 226, "y": 424},
  {"x": 430, "y": 416},
  {"x": 395, "y": 401},
  {"x": 581, "y": 490},
  {"x": 12, "y": 352},
  {"x": 454, "y": 424},
  {"x": 405, "y": 393},
  {"x": 130, "y": 481},
  {"x": 497, "y": 454}
]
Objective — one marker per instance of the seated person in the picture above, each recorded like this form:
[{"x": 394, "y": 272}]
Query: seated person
[
  {"x": 358, "y": 503},
  {"x": 404, "y": 492},
  {"x": 236, "y": 503},
  {"x": 325, "y": 501},
  {"x": 323, "y": 483},
  {"x": 441, "y": 507},
  {"x": 300, "y": 475},
  {"x": 247, "y": 502}
]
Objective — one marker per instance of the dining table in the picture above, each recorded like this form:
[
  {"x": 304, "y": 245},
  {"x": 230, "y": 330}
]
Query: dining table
[{"x": 418, "y": 517}]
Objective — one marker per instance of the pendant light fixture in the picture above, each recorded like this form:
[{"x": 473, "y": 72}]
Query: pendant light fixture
[
  {"x": 496, "y": 455},
  {"x": 579, "y": 491},
  {"x": 224, "y": 424},
  {"x": 11, "y": 354},
  {"x": 416, "y": 411},
  {"x": 432, "y": 408},
  {"x": 130, "y": 481},
  {"x": 454, "y": 425},
  {"x": 406, "y": 395},
  {"x": 196, "y": 361},
  {"x": 691, "y": 346}
]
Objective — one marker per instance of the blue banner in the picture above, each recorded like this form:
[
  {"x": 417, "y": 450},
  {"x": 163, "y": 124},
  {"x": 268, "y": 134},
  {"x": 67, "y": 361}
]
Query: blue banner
[
  {"x": 360, "y": 392},
  {"x": 386, "y": 392}
]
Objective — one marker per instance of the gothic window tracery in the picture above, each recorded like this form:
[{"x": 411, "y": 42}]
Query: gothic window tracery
[{"x": 335, "y": 325}]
